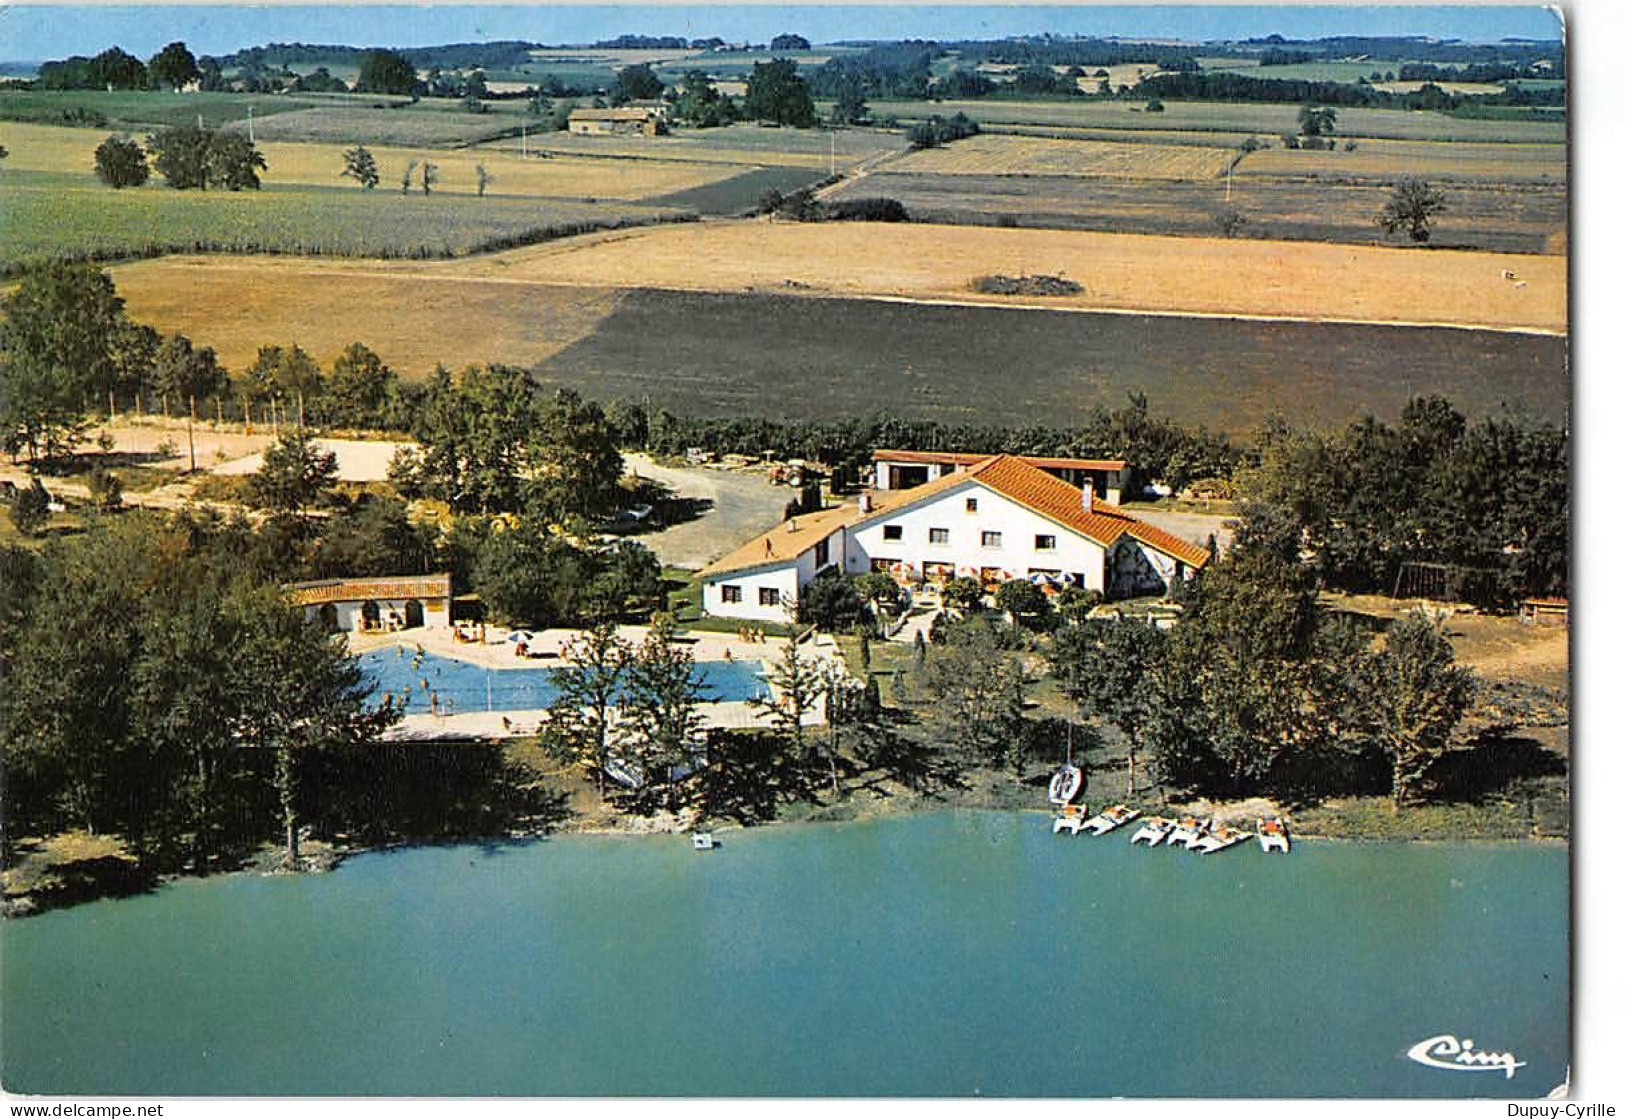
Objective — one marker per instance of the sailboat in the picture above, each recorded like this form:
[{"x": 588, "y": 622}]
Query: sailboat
[{"x": 1068, "y": 780}]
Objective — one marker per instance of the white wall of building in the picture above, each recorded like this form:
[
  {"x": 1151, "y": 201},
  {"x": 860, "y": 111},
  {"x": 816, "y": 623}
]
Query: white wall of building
[
  {"x": 436, "y": 612},
  {"x": 783, "y": 579},
  {"x": 1016, "y": 552}
]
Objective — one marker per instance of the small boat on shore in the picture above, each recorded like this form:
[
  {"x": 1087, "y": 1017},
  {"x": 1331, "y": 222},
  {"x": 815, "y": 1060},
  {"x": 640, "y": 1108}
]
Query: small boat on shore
[
  {"x": 1070, "y": 819},
  {"x": 1153, "y": 831},
  {"x": 703, "y": 841},
  {"x": 1187, "y": 831},
  {"x": 1272, "y": 835},
  {"x": 1066, "y": 783},
  {"x": 1111, "y": 819},
  {"x": 1217, "y": 838}
]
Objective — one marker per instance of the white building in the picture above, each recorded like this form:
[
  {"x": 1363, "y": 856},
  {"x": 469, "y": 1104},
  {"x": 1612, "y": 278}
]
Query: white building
[
  {"x": 998, "y": 519},
  {"x": 901, "y": 470},
  {"x": 375, "y": 605}
]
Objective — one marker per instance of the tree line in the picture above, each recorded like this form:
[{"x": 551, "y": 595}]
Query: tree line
[{"x": 156, "y": 689}]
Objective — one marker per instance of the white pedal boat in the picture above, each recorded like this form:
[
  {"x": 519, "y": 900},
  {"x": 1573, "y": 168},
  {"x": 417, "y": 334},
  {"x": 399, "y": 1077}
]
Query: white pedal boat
[
  {"x": 1272, "y": 836},
  {"x": 1071, "y": 819},
  {"x": 1153, "y": 831},
  {"x": 1187, "y": 831},
  {"x": 1217, "y": 838},
  {"x": 1111, "y": 819}
]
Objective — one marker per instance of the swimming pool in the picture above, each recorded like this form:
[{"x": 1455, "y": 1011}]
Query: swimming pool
[{"x": 459, "y": 686}]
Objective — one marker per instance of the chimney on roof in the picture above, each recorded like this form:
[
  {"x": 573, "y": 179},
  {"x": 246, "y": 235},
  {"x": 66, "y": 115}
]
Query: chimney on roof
[
  {"x": 1088, "y": 500},
  {"x": 866, "y": 503}
]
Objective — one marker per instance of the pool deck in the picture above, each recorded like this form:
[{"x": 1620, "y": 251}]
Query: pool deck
[{"x": 497, "y": 652}]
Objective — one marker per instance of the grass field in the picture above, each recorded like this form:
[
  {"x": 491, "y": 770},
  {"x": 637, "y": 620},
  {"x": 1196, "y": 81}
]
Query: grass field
[
  {"x": 72, "y": 150},
  {"x": 351, "y": 123},
  {"x": 1031, "y": 155},
  {"x": 142, "y": 109},
  {"x": 1387, "y": 160},
  {"x": 51, "y": 214},
  {"x": 1529, "y": 218},
  {"x": 739, "y": 144},
  {"x": 1203, "y": 116}
]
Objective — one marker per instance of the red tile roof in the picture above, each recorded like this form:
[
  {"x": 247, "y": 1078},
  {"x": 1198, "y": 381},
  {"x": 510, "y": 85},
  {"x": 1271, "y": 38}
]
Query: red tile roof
[
  {"x": 962, "y": 458},
  {"x": 1014, "y": 477},
  {"x": 360, "y": 590}
]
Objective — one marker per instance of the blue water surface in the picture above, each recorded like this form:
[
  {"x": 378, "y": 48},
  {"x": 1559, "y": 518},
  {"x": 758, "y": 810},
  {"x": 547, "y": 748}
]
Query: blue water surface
[
  {"x": 949, "y": 954},
  {"x": 460, "y": 686}
]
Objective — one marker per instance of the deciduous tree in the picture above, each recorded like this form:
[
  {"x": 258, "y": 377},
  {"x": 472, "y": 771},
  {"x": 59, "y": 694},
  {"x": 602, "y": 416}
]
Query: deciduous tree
[
  {"x": 1411, "y": 206},
  {"x": 661, "y": 725},
  {"x": 57, "y": 341},
  {"x": 188, "y": 373},
  {"x": 1417, "y": 696},
  {"x": 360, "y": 166},
  {"x": 174, "y": 66},
  {"x": 294, "y": 475},
  {"x": 121, "y": 163}
]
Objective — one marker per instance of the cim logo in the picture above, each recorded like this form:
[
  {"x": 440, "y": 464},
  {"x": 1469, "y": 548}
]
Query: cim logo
[{"x": 1446, "y": 1052}]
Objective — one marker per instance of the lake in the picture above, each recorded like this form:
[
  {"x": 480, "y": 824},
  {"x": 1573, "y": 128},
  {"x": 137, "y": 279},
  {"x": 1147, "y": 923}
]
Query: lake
[{"x": 949, "y": 953}]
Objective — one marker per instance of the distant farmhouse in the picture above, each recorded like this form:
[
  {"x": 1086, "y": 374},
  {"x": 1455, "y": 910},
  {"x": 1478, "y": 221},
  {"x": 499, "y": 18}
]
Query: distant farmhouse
[
  {"x": 637, "y": 119},
  {"x": 994, "y": 519},
  {"x": 381, "y": 605}
]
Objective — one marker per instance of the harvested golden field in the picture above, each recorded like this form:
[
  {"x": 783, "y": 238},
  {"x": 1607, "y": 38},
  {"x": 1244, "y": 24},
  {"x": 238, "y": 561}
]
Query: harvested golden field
[
  {"x": 1390, "y": 159},
  {"x": 45, "y": 148},
  {"x": 413, "y": 319},
  {"x": 530, "y": 302},
  {"x": 1118, "y": 271},
  {"x": 1032, "y": 155}
]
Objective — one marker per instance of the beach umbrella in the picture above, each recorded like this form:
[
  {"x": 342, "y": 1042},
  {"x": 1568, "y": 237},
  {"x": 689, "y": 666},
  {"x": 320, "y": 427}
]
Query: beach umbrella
[{"x": 517, "y": 636}]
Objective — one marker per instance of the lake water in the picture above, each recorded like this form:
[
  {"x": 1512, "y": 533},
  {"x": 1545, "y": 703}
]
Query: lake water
[
  {"x": 471, "y": 687},
  {"x": 950, "y": 953}
]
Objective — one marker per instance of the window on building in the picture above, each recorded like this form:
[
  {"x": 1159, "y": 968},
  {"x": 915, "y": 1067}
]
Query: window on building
[
  {"x": 768, "y": 596},
  {"x": 992, "y": 539},
  {"x": 1044, "y": 543},
  {"x": 732, "y": 593},
  {"x": 970, "y": 505},
  {"x": 892, "y": 532},
  {"x": 821, "y": 552},
  {"x": 939, "y": 536}
]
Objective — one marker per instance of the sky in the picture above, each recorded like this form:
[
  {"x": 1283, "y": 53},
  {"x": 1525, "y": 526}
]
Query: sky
[{"x": 33, "y": 33}]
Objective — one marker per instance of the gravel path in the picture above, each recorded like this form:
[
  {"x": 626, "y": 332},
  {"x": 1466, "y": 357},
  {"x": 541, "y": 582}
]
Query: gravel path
[{"x": 743, "y": 504}]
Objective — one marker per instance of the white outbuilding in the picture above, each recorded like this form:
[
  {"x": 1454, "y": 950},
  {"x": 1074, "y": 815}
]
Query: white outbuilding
[{"x": 375, "y": 605}]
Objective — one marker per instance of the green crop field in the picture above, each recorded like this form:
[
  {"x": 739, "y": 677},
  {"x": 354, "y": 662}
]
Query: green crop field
[
  {"x": 1205, "y": 116},
  {"x": 351, "y": 122},
  {"x": 148, "y": 109},
  {"x": 704, "y": 354},
  {"x": 49, "y": 214}
]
